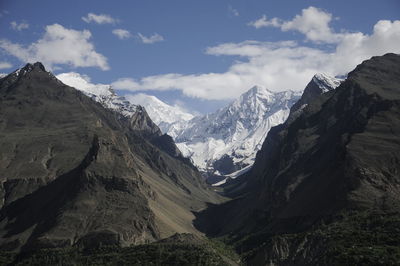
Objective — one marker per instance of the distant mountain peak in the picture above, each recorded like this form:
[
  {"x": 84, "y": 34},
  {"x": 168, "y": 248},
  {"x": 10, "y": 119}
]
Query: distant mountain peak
[
  {"x": 36, "y": 66},
  {"x": 325, "y": 81},
  {"x": 169, "y": 118},
  {"x": 256, "y": 91},
  {"x": 227, "y": 140}
]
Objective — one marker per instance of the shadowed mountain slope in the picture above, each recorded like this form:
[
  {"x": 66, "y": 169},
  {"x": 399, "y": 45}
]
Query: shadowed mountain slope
[
  {"x": 339, "y": 154},
  {"x": 74, "y": 172}
]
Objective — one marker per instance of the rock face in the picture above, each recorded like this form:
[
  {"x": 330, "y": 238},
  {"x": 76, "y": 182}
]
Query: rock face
[
  {"x": 339, "y": 154},
  {"x": 74, "y": 172},
  {"x": 319, "y": 84}
]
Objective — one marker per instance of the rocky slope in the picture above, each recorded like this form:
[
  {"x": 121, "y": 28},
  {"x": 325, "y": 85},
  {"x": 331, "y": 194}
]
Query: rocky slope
[
  {"x": 76, "y": 173},
  {"x": 337, "y": 157}
]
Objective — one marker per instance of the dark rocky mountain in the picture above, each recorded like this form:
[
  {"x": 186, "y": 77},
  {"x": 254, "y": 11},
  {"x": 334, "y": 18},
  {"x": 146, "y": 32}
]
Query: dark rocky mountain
[
  {"x": 74, "y": 173},
  {"x": 318, "y": 85},
  {"x": 325, "y": 187}
]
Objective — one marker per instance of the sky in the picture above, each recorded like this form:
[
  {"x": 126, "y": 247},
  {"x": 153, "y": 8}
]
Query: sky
[{"x": 198, "y": 55}]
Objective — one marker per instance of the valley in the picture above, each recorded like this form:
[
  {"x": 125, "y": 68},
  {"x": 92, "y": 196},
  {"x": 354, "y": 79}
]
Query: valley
[{"x": 191, "y": 133}]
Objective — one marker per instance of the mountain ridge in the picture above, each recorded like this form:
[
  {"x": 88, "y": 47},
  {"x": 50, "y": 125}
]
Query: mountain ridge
[
  {"x": 336, "y": 158},
  {"x": 76, "y": 172}
]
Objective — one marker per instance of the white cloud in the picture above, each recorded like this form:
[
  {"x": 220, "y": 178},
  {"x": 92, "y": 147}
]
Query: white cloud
[
  {"x": 99, "y": 19},
  {"x": 152, "y": 39},
  {"x": 126, "y": 84},
  {"x": 83, "y": 83},
  {"x": 312, "y": 22},
  {"x": 247, "y": 48},
  {"x": 19, "y": 26},
  {"x": 5, "y": 65},
  {"x": 264, "y": 22},
  {"x": 122, "y": 34},
  {"x": 233, "y": 11},
  {"x": 59, "y": 46},
  {"x": 276, "y": 65}
]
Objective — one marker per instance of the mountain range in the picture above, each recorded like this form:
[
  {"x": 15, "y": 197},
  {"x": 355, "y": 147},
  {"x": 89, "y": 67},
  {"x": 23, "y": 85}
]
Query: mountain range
[
  {"x": 324, "y": 189},
  {"x": 220, "y": 144},
  {"x": 225, "y": 143},
  {"x": 75, "y": 173},
  {"x": 88, "y": 178}
]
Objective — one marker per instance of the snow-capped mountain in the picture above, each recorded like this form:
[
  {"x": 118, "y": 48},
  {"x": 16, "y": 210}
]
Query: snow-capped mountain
[
  {"x": 228, "y": 139},
  {"x": 319, "y": 84},
  {"x": 220, "y": 143},
  {"x": 325, "y": 82},
  {"x": 170, "y": 119},
  {"x": 101, "y": 93}
]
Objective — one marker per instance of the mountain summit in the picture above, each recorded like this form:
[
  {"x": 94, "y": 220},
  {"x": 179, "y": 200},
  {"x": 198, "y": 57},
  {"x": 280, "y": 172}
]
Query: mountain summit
[
  {"x": 75, "y": 173},
  {"x": 228, "y": 139},
  {"x": 226, "y": 142}
]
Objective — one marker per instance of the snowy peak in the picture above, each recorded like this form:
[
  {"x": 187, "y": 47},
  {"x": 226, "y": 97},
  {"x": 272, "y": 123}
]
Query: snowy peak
[
  {"x": 256, "y": 91},
  {"x": 101, "y": 93},
  {"x": 326, "y": 82},
  {"x": 320, "y": 83},
  {"x": 253, "y": 96},
  {"x": 227, "y": 140},
  {"x": 169, "y": 118}
]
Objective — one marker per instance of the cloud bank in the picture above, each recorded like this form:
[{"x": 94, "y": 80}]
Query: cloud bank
[
  {"x": 312, "y": 22},
  {"x": 279, "y": 65},
  {"x": 59, "y": 46}
]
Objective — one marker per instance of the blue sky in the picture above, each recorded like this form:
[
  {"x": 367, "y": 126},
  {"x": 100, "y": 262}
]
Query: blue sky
[{"x": 197, "y": 54}]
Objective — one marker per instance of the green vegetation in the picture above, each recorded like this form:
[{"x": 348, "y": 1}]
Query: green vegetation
[
  {"x": 351, "y": 238},
  {"x": 364, "y": 238},
  {"x": 161, "y": 253}
]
